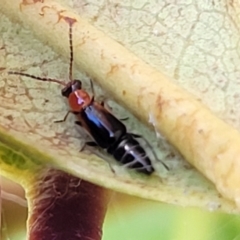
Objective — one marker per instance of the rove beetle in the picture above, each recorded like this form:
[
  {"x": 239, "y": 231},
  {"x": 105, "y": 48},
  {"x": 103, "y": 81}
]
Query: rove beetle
[{"x": 106, "y": 131}]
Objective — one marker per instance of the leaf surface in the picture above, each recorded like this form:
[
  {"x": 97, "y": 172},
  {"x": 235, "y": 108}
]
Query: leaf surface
[{"x": 195, "y": 43}]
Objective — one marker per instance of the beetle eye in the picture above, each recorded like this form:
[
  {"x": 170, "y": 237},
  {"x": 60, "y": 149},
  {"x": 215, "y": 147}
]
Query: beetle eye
[
  {"x": 76, "y": 85},
  {"x": 66, "y": 91}
]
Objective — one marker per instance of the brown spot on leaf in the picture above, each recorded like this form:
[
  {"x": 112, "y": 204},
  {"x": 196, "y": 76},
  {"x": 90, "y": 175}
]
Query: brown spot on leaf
[
  {"x": 69, "y": 20},
  {"x": 160, "y": 102},
  {"x": 113, "y": 69},
  {"x": 9, "y": 117},
  {"x": 83, "y": 41},
  {"x": 29, "y": 2}
]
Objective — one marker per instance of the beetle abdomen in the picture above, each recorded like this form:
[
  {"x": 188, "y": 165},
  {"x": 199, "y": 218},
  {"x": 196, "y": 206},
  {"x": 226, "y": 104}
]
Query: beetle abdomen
[{"x": 129, "y": 152}]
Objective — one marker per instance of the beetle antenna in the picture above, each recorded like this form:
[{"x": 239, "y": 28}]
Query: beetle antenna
[
  {"x": 71, "y": 51},
  {"x": 92, "y": 88},
  {"x": 38, "y": 78}
]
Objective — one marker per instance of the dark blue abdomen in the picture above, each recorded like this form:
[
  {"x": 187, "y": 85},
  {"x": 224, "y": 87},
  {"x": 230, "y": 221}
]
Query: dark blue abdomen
[{"x": 102, "y": 126}]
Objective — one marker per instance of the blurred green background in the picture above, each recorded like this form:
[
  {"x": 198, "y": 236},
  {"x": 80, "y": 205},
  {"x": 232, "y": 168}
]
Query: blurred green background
[
  {"x": 131, "y": 218},
  {"x": 144, "y": 220}
]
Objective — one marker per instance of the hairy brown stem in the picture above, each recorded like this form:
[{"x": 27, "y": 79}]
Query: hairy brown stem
[{"x": 65, "y": 207}]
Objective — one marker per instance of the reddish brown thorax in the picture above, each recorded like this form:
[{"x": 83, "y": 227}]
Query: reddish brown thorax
[{"x": 78, "y": 100}]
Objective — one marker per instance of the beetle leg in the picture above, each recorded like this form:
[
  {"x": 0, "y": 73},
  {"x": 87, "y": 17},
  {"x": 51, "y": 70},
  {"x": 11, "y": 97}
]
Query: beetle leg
[
  {"x": 64, "y": 119},
  {"x": 111, "y": 168},
  {"x": 136, "y": 135},
  {"x": 124, "y": 119},
  {"x": 102, "y": 103},
  {"x": 82, "y": 147},
  {"x": 149, "y": 146},
  {"x": 78, "y": 123},
  {"x": 98, "y": 152},
  {"x": 92, "y": 87},
  {"x": 91, "y": 144}
]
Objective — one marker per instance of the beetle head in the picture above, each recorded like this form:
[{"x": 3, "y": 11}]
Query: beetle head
[{"x": 71, "y": 87}]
